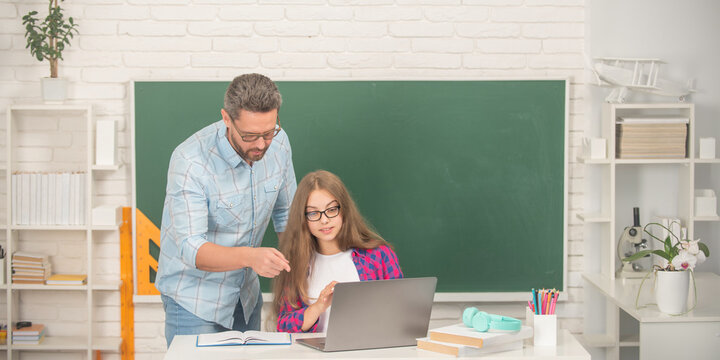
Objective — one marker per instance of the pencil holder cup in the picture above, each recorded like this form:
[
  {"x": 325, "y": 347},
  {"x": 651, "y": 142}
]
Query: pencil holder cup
[{"x": 544, "y": 328}]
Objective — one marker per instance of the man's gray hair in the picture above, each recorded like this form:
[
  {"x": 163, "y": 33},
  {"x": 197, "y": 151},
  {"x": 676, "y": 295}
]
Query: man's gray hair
[{"x": 252, "y": 92}]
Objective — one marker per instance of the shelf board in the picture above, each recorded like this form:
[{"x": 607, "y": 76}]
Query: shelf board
[
  {"x": 80, "y": 343},
  {"x": 651, "y": 161},
  {"x": 707, "y": 161},
  {"x": 48, "y": 107},
  {"x": 706, "y": 218},
  {"x": 106, "y": 167},
  {"x": 48, "y": 227},
  {"x": 594, "y": 218},
  {"x": 99, "y": 285},
  {"x": 583, "y": 160},
  {"x": 63, "y": 227},
  {"x": 106, "y": 227},
  {"x": 632, "y": 340},
  {"x": 596, "y": 340}
]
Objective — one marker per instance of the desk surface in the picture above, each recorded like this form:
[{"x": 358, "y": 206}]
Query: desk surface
[
  {"x": 622, "y": 292},
  {"x": 183, "y": 347}
]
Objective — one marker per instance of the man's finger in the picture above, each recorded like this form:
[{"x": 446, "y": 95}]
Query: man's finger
[
  {"x": 282, "y": 262},
  {"x": 280, "y": 255}
]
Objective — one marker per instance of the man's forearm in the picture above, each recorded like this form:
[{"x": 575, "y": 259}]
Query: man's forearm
[{"x": 217, "y": 258}]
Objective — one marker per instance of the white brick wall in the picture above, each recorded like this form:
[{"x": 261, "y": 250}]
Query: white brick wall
[{"x": 121, "y": 40}]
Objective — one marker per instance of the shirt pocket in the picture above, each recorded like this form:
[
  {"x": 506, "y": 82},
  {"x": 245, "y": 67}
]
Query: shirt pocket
[
  {"x": 272, "y": 189},
  {"x": 233, "y": 211}
]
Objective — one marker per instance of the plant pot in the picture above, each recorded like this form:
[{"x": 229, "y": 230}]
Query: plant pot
[
  {"x": 54, "y": 90},
  {"x": 671, "y": 291}
]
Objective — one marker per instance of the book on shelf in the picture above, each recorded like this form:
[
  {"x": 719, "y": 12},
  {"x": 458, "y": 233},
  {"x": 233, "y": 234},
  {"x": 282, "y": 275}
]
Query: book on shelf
[
  {"x": 30, "y": 271},
  {"x": 654, "y": 119},
  {"x": 29, "y": 257},
  {"x": 33, "y": 330},
  {"x": 48, "y": 198},
  {"x": 463, "y": 335},
  {"x": 37, "y": 341},
  {"x": 67, "y": 279},
  {"x": 17, "y": 276},
  {"x": 466, "y": 350},
  {"x": 233, "y": 337},
  {"x": 29, "y": 282},
  {"x": 19, "y": 264}
]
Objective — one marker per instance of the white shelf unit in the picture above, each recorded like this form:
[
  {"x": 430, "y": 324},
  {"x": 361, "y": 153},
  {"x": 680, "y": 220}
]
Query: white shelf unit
[
  {"x": 659, "y": 187},
  {"x": 46, "y": 124}
]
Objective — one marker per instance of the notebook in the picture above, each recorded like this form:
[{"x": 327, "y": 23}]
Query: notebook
[{"x": 377, "y": 314}]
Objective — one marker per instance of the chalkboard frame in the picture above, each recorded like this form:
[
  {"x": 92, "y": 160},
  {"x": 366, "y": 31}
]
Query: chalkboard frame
[{"x": 440, "y": 296}]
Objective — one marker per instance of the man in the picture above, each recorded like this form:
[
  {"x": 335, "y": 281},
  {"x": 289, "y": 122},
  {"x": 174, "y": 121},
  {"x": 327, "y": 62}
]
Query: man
[{"x": 225, "y": 182}]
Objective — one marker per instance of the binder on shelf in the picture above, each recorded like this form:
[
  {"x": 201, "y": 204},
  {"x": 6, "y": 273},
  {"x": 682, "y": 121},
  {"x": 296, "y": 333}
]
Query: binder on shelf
[{"x": 25, "y": 199}]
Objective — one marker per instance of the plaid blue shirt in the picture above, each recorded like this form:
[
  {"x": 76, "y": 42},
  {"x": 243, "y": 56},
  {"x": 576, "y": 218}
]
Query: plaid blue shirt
[{"x": 214, "y": 196}]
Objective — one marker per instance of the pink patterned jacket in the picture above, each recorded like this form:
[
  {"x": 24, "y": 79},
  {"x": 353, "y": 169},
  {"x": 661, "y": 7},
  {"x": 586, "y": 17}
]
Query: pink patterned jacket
[{"x": 380, "y": 263}]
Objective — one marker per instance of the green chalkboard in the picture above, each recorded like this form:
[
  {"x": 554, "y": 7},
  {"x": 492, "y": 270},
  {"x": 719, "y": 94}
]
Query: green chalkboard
[{"x": 465, "y": 178}]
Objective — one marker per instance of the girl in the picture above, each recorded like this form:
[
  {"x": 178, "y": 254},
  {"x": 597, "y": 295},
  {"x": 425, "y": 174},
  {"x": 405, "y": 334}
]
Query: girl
[{"x": 326, "y": 241}]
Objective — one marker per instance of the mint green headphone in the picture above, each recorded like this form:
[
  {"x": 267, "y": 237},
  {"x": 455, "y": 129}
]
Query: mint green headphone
[{"x": 482, "y": 321}]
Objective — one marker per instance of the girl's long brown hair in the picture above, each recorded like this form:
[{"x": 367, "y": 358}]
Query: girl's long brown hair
[{"x": 298, "y": 245}]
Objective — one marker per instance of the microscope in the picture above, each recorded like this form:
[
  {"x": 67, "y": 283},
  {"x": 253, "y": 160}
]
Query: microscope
[{"x": 631, "y": 242}]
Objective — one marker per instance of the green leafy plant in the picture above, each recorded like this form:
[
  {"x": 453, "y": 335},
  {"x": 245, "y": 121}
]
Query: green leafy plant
[
  {"x": 47, "y": 39},
  {"x": 677, "y": 254}
]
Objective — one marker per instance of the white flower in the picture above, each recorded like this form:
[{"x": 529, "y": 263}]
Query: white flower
[
  {"x": 684, "y": 260},
  {"x": 691, "y": 246}
]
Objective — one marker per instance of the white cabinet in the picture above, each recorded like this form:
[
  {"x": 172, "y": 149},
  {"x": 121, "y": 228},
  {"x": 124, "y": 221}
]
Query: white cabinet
[
  {"x": 661, "y": 187},
  {"x": 48, "y": 139}
]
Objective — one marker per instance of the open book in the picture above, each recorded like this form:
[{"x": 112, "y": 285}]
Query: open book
[{"x": 234, "y": 337}]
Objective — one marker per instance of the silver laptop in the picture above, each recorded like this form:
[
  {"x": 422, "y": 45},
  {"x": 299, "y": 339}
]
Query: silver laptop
[{"x": 377, "y": 314}]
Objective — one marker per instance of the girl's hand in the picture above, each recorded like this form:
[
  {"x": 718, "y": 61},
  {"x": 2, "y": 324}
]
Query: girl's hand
[
  {"x": 312, "y": 313},
  {"x": 325, "y": 298}
]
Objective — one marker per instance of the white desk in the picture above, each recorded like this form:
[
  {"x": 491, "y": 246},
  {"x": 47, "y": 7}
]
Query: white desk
[
  {"x": 694, "y": 335},
  {"x": 183, "y": 347}
]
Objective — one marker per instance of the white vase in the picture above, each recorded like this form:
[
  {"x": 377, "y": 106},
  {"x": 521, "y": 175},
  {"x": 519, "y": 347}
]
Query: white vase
[
  {"x": 54, "y": 90},
  {"x": 671, "y": 291}
]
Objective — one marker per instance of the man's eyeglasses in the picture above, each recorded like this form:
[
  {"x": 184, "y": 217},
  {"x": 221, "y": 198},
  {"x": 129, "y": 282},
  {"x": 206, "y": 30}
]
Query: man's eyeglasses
[
  {"x": 330, "y": 212},
  {"x": 250, "y": 137}
]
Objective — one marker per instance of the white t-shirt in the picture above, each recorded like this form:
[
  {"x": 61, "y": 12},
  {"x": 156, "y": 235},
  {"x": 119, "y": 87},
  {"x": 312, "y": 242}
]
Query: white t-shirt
[{"x": 325, "y": 269}]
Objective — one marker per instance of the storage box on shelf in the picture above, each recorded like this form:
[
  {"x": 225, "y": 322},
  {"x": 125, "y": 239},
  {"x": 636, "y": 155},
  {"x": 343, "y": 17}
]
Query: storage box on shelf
[
  {"x": 51, "y": 216},
  {"x": 661, "y": 180}
]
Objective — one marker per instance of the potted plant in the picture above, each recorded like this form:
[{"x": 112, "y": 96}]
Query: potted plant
[
  {"x": 46, "y": 40},
  {"x": 678, "y": 260}
]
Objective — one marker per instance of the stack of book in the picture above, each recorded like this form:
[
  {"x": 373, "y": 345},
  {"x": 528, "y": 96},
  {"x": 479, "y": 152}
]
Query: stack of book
[
  {"x": 30, "y": 268},
  {"x": 460, "y": 340},
  {"x": 32, "y": 335},
  {"x": 651, "y": 137}
]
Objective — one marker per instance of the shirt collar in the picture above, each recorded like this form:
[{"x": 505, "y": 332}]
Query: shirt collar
[{"x": 226, "y": 150}]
